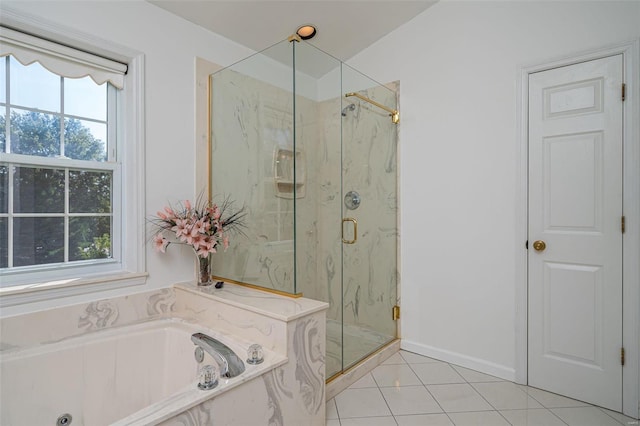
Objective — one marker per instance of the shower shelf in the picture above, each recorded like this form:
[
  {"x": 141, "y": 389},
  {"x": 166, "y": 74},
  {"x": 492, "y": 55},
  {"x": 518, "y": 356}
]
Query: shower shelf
[{"x": 286, "y": 186}]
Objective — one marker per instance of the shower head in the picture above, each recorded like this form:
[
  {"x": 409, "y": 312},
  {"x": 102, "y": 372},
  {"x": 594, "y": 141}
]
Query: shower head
[{"x": 350, "y": 107}]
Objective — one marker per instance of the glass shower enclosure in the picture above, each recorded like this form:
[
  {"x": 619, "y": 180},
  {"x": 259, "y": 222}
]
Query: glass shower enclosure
[{"x": 308, "y": 146}]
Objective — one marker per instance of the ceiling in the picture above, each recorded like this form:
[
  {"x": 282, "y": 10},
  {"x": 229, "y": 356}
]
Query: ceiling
[{"x": 344, "y": 27}]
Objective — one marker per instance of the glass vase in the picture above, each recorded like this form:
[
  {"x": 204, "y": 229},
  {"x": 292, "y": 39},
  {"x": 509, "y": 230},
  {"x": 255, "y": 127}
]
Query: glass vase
[{"x": 204, "y": 271}]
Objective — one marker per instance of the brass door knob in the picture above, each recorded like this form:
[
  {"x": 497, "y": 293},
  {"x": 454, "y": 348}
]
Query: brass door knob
[{"x": 539, "y": 245}]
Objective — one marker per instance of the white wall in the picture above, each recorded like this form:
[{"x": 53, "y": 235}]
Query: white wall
[
  {"x": 459, "y": 65},
  {"x": 170, "y": 46}
]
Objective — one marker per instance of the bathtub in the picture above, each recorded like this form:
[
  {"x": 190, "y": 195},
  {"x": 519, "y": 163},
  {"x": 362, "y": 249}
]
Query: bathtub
[{"x": 139, "y": 374}]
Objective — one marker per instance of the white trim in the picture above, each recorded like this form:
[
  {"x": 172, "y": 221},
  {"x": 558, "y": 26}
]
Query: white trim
[
  {"x": 131, "y": 142},
  {"x": 521, "y": 231},
  {"x": 18, "y": 295},
  {"x": 478, "y": 364},
  {"x": 55, "y": 162},
  {"x": 133, "y": 203},
  {"x": 631, "y": 240}
]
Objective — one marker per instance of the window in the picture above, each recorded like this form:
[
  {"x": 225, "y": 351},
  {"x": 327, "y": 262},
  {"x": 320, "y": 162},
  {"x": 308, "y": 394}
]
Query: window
[
  {"x": 61, "y": 163},
  {"x": 58, "y": 211}
]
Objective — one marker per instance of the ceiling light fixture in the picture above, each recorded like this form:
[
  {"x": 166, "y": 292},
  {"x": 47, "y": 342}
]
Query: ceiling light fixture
[{"x": 306, "y": 31}]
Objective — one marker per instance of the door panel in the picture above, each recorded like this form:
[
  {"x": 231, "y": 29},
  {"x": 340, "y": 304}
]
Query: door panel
[
  {"x": 581, "y": 210},
  {"x": 575, "y": 206},
  {"x": 573, "y": 336}
]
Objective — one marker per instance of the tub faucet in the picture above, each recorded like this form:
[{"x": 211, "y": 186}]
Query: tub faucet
[{"x": 230, "y": 364}]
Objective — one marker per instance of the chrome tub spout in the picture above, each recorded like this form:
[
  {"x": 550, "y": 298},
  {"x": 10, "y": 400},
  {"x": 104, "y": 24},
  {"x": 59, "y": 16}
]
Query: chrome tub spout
[{"x": 230, "y": 364}]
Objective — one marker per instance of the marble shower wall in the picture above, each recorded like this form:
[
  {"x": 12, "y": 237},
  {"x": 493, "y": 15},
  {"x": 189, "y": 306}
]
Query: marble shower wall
[{"x": 252, "y": 161}]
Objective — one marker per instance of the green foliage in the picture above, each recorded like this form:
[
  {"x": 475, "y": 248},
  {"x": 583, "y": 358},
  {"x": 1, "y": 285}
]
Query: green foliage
[
  {"x": 34, "y": 133},
  {"x": 37, "y": 133},
  {"x": 41, "y": 190},
  {"x": 99, "y": 249},
  {"x": 89, "y": 192},
  {"x": 80, "y": 143}
]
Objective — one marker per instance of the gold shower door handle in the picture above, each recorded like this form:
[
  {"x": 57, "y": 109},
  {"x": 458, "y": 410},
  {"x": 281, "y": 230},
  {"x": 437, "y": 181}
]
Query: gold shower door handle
[{"x": 355, "y": 230}]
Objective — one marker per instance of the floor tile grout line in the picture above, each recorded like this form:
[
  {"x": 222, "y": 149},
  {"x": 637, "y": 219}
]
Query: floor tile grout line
[
  {"x": 424, "y": 386},
  {"x": 386, "y": 402},
  {"x": 547, "y": 408},
  {"x": 550, "y": 409},
  {"x": 482, "y": 396},
  {"x": 543, "y": 408},
  {"x": 337, "y": 411},
  {"x": 557, "y": 416},
  {"x": 432, "y": 395},
  {"x": 498, "y": 379},
  {"x": 606, "y": 413},
  {"x": 472, "y": 387},
  {"x": 505, "y": 419},
  {"x": 586, "y": 404},
  {"x": 374, "y": 377}
]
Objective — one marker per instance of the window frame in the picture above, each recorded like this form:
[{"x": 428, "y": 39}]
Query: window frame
[
  {"x": 44, "y": 282},
  {"x": 14, "y": 275}
]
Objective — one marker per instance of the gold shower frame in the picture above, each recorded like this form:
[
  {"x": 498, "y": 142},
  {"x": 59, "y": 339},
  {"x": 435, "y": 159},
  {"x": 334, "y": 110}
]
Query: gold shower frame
[{"x": 393, "y": 113}]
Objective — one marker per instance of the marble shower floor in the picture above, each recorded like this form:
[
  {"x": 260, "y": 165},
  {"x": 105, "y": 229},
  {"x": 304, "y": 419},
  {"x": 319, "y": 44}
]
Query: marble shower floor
[
  {"x": 358, "y": 343},
  {"x": 413, "y": 390}
]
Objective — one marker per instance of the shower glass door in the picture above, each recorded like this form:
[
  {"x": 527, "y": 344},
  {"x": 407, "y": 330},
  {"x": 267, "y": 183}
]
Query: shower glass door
[
  {"x": 318, "y": 99},
  {"x": 369, "y": 216}
]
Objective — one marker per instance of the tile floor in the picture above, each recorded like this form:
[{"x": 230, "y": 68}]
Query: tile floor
[{"x": 411, "y": 390}]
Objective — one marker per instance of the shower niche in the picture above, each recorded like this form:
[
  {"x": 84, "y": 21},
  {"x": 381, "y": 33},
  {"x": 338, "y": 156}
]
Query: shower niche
[
  {"x": 288, "y": 183},
  {"x": 287, "y": 144}
]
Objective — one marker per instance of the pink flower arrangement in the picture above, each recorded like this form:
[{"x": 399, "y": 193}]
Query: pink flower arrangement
[{"x": 203, "y": 227}]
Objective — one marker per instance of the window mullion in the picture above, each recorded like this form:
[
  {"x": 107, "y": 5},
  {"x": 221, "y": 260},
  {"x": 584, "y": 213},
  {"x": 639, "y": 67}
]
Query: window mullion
[
  {"x": 66, "y": 215},
  {"x": 112, "y": 120},
  {"x": 58, "y": 163},
  {"x": 10, "y": 216},
  {"x": 7, "y": 109},
  {"x": 36, "y": 215},
  {"x": 62, "y": 154}
]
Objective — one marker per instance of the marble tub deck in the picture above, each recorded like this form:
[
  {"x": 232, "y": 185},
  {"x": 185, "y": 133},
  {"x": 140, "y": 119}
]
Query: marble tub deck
[{"x": 295, "y": 329}]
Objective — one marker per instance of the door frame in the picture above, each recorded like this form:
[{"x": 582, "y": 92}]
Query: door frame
[{"x": 631, "y": 209}]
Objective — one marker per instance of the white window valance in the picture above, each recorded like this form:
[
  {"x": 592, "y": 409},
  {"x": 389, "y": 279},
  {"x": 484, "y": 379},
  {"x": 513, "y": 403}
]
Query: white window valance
[{"x": 59, "y": 59}]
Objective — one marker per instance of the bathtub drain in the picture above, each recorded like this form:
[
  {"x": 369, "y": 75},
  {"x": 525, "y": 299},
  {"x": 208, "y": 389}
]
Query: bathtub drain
[{"x": 64, "y": 420}]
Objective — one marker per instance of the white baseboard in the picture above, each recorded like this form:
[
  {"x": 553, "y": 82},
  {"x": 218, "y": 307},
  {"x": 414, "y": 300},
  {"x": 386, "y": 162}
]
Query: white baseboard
[{"x": 462, "y": 360}]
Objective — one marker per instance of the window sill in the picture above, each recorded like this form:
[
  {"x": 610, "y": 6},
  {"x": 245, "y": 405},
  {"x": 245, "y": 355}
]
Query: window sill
[{"x": 36, "y": 292}]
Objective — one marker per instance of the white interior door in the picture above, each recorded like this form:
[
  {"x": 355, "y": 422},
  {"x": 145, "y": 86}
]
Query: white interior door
[{"x": 575, "y": 209}]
